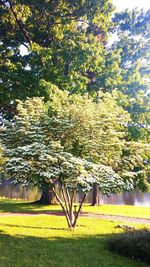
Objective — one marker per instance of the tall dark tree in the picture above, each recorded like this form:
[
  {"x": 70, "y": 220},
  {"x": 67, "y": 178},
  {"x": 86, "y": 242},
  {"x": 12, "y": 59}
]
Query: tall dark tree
[{"x": 65, "y": 43}]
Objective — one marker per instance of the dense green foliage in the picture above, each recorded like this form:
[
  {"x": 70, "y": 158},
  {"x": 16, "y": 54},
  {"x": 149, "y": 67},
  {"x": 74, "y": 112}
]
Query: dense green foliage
[
  {"x": 133, "y": 244},
  {"x": 61, "y": 39},
  {"x": 133, "y": 42},
  {"x": 67, "y": 45},
  {"x": 96, "y": 126},
  {"x": 133, "y": 33}
]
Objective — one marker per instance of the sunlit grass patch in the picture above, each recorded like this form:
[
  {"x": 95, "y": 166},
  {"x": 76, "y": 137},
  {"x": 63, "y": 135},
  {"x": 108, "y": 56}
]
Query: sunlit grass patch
[
  {"x": 124, "y": 210},
  {"x": 8, "y": 205},
  {"x": 45, "y": 240}
]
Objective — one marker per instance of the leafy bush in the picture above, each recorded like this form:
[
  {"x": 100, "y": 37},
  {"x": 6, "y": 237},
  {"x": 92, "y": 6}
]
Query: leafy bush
[{"x": 133, "y": 244}]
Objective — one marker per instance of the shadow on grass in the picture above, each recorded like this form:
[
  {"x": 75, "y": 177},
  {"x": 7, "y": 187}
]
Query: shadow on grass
[
  {"x": 30, "y": 251},
  {"x": 14, "y": 206},
  {"x": 31, "y": 227}
]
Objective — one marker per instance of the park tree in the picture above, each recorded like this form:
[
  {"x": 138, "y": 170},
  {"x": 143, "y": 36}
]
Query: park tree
[
  {"x": 77, "y": 122},
  {"x": 94, "y": 130},
  {"x": 65, "y": 44},
  {"x": 54, "y": 166},
  {"x": 35, "y": 155},
  {"x": 36, "y": 131}
]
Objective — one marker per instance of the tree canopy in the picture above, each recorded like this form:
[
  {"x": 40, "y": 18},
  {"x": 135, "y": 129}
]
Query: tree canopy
[
  {"x": 34, "y": 155},
  {"x": 60, "y": 37}
]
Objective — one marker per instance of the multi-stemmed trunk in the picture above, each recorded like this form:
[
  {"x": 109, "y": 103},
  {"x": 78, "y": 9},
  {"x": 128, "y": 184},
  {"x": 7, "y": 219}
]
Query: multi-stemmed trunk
[{"x": 67, "y": 205}]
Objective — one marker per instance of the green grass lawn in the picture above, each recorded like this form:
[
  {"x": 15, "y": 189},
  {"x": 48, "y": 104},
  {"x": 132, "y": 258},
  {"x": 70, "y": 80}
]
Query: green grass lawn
[
  {"x": 124, "y": 210},
  {"x": 45, "y": 241},
  {"x": 7, "y": 205}
]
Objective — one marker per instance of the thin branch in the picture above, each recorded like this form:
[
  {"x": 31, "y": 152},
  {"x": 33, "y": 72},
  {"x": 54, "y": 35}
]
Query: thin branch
[
  {"x": 78, "y": 212},
  {"x": 68, "y": 198},
  {"x": 20, "y": 24},
  {"x": 63, "y": 207},
  {"x": 70, "y": 203},
  {"x": 65, "y": 200},
  {"x": 72, "y": 198},
  {"x": 25, "y": 45}
]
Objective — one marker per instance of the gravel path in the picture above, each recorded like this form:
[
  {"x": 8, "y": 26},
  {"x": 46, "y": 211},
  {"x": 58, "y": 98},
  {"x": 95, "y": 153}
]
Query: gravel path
[
  {"x": 118, "y": 218},
  {"x": 86, "y": 214}
]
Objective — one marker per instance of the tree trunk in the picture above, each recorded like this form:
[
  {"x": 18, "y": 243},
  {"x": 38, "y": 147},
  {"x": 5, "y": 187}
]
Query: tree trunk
[
  {"x": 67, "y": 206},
  {"x": 95, "y": 195},
  {"x": 47, "y": 196}
]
